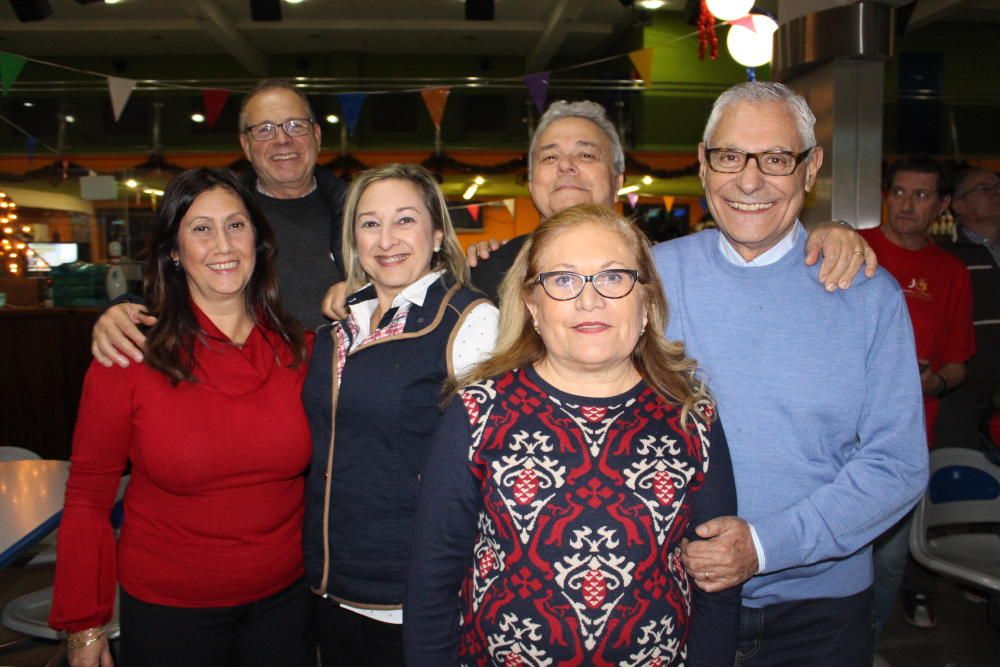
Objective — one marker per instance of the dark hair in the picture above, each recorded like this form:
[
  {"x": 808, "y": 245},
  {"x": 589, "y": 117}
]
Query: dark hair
[
  {"x": 169, "y": 341},
  {"x": 922, "y": 164},
  {"x": 267, "y": 85}
]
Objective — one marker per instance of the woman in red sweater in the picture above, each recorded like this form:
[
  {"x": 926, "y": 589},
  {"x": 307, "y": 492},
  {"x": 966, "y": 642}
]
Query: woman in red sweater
[{"x": 209, "y": 558}]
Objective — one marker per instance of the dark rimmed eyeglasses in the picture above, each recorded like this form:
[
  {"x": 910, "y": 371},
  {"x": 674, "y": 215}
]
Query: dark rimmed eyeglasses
[
  {"x": 293, "y": 127},
  {"x": 981, "y": 189},
  {"x": 772, "y": 163},
  {"x": 566, "y": 285}
]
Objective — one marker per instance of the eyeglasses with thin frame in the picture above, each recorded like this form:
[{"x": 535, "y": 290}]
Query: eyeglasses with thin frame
[
  {"x": 772, "y": 163},
  {"x": 981, "y": 189},
  {"x": 268, "y": 130},
  {"x": 567, "y": 285}
]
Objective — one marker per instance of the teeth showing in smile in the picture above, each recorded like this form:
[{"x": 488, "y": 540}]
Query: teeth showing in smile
[
  {"x": 392, "y": 259},
  {"x": 739, "y": 206},
  {"x": 225, "y": 266},
  {"x": 285, "y": 156}
]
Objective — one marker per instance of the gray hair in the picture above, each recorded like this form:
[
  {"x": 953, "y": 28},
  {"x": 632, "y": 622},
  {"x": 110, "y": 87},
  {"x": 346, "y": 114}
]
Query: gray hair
[
  {"x": 586, "y": 110},
  {"x": 765, "y": 91},
  {"x": 266, "y": 86}
]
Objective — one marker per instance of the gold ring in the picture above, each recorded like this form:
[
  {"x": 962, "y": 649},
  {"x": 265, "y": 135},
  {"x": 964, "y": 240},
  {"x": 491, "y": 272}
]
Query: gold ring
[{"x": 859, "y": 252}]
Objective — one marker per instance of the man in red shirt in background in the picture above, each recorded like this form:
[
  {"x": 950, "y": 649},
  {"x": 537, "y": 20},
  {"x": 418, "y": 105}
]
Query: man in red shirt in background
[{"x": 939, "y": 297}]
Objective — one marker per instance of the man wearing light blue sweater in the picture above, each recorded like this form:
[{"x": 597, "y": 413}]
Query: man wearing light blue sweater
[{"x": 819, "y": 392}]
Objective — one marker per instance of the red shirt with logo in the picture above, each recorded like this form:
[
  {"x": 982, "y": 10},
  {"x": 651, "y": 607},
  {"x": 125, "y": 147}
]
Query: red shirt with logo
[{"x": 939, "y": 297}]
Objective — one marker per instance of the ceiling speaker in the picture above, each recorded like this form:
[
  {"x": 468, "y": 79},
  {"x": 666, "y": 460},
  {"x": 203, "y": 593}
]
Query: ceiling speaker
[
  {"x": 265, "y": 10},
  {"x": 31, "y": 10},
  {"x": 478, "y": 10}
]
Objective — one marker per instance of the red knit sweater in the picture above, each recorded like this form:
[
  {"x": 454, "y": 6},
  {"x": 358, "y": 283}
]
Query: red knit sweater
[{"x": 213, "y": 511}]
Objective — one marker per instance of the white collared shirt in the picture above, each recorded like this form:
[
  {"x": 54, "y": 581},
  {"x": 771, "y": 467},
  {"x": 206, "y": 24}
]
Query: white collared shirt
[
  {"x": 770, "y": 256},
  {"x": 473, "y": 342}
]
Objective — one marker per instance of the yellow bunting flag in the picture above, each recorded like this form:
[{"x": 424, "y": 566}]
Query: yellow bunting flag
[
  {"x": 435, "y": 99},
  {"x": 668, "y": 202},
  {"x": 509, "y": 205},
  {"x": 643, "y": 61}
]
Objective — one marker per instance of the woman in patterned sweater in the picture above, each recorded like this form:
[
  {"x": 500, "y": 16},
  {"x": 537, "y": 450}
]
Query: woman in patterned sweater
[{"x": 562, "y": 483}]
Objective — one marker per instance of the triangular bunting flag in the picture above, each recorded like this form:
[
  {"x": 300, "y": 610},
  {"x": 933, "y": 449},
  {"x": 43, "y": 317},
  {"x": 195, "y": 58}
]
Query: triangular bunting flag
[
  {"x": 10, "y": 69},
  {"x": 435, "y": 99},
  {"x": 350, "y": 108},
  {"x": 120, "y": 90},
  {"x": 474, "y": 211},
  {"x": 30, "y": 143},
  {"x": 509, "y": 204},
  {"x": 643, "y": 61},
  {"x": 633, "y": 199},
  {"x": 668, "y": 202},
  {"x": 213, "y": 99},
  {"x": 538, "y": 88},
  {"x": 746, "y": 22}
]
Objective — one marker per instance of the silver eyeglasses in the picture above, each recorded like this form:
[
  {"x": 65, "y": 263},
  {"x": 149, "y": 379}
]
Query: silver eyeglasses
[
  {"x": 566, "y": 285},
  {"x": 293, "y": 127},
  {"x": 772, "y": 163}
]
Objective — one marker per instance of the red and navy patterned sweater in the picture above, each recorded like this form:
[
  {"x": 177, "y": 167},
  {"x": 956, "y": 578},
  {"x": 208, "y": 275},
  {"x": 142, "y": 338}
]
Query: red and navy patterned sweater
[{"x": 549, "y": 529}]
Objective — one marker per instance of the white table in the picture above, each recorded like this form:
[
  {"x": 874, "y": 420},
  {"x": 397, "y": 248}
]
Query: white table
[{"x": 31, "y": 503}]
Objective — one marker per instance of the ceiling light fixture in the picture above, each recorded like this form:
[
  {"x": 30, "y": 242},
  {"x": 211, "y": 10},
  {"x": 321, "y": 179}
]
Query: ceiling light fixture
[
  {"x": 652, "y": 4},
  {"x": 198, "y": 118},
  {"x": 333, "y": 119}
]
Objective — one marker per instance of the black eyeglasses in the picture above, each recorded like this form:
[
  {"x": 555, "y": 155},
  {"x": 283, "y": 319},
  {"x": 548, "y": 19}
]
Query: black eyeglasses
[
  {"x": 772, "y": 163},
  {"x": 293, "y": 127},
  {"x": 981, "y": 189},
  {"x": 566, "y": 285}
]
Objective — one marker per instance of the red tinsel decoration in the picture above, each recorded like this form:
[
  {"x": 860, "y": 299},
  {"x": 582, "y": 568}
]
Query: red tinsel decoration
[{"x": 706, "y": 33}]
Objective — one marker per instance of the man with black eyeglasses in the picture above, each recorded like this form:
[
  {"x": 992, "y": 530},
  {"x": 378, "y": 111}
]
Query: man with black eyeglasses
[
  {"x": 303, "y": 202},
  {"x": 819, "y": 393},
  {"x": 970, "y": 416}
]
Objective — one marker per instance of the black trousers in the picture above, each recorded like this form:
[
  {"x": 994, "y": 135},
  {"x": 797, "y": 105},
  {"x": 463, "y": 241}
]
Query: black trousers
[
  {"x": 347, "y": 639},
  {"x": 832, "y": 632},
  {"x": 276, "y": 631}
]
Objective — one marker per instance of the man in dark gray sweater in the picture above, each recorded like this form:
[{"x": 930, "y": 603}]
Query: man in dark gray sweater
[{"x": 280, "y": 136}]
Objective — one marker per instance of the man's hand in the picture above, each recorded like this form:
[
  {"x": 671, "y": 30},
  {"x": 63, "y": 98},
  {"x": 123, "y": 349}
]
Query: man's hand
[
  {"x": 482, "y": 250},
  {"x": 117, "y": 334},
  {"x": 335, "y": 302},
  {"x": 724, "y": 557},
  {"x": 843, "y": 250}
]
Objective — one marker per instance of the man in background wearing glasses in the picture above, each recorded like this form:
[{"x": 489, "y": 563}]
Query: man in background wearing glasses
[
  {"x": 819, "y": 393},
  {"x": 302, "y": 201},
  {"x": 970, "y": 415}
]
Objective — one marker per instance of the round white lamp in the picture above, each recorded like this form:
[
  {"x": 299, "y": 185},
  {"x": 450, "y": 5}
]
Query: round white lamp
[
  {"x": 729, "y": 10},
  {"x": 752, "y": 48}
]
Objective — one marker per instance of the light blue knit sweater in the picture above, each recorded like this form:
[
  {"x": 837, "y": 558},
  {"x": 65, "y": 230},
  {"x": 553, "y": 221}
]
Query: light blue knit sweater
[{"x": 820, "y": 397}]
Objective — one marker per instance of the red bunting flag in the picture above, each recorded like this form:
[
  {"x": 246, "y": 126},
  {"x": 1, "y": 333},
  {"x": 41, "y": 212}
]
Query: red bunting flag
[
  {"x": 214, "y": 100},
  {"x": 435, "y": 99},
  {"x": 474, "y": 211},
  {"x": 746, "y": 22}
]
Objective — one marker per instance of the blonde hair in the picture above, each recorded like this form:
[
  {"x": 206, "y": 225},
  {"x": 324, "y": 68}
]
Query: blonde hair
[
  {"x": 450, "y": 258},
  {"x": 662, "y": 364}
]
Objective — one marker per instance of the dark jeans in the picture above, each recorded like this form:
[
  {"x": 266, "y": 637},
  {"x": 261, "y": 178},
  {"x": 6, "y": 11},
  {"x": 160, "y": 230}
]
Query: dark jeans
[
  {"x": 832, "y": 632},
  {"x": 347, "y": 639},
  {"x": 276, "y": 631}
]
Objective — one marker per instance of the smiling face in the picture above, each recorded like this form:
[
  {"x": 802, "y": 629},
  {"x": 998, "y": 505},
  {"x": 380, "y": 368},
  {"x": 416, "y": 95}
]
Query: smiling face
[
  {"x": 977, "y": 203},
  {"x": 912, "y": 204},
  {"x": 590, "y": 335},
  {"x": 395, "y": 236},
  {"x": 753, "y": 210},
  {"x": 216, "y": 248},
  {"x": 572, "y": 164},
  {"x": 284, "y": 165}
]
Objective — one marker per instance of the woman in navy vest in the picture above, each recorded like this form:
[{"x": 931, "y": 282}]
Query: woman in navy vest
[{"x": 373, "y": 396}]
